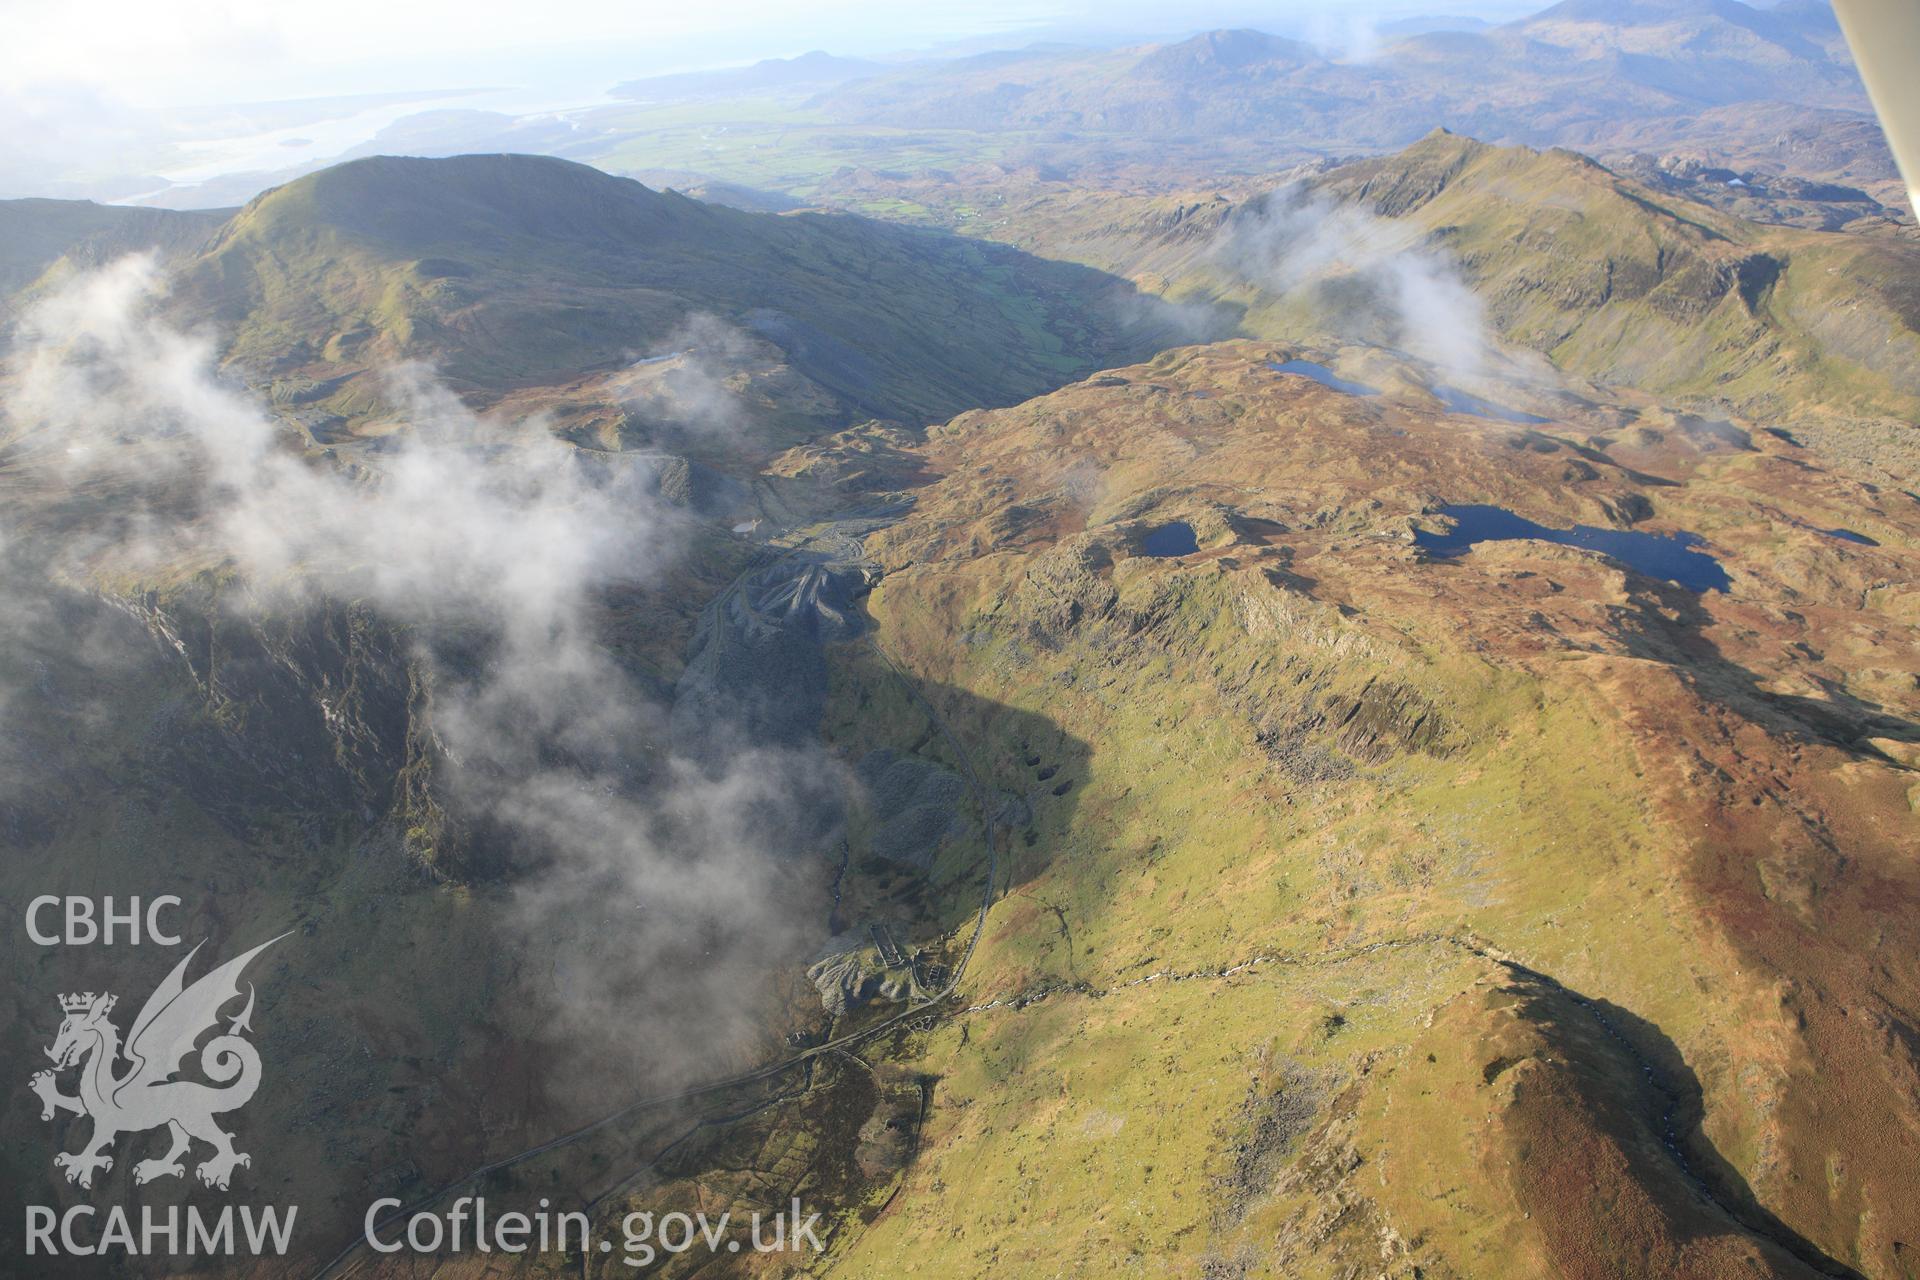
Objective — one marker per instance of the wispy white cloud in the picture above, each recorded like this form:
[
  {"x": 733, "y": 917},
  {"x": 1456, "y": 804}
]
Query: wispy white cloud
[
  {"x": 1392, "y": 285},
  {"x": 659, "y": 887}
]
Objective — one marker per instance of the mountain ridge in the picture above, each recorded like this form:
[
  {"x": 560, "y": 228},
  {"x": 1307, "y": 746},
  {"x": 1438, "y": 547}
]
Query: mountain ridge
[
  {"x": 815, "y": 67},
  {"x": 504, "y": 270},
  {"x": 1610, "y": 278},
  {"x": 37, "y": 233}
]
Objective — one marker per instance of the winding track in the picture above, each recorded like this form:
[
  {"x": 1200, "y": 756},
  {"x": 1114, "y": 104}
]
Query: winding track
[{"x": 350, "y": 1259}]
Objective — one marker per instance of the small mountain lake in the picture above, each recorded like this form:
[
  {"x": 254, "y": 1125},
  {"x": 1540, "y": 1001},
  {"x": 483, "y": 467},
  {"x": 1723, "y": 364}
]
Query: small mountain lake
[
  {"x": 1452, "y": 398},
  {"x": 1848, "y": 535},
  {"x": 1169, "y": 540},
  {"x": 1322, "y": 375},
  {"x": 1673, "y": 558},
  {"x": 1458, "y": 401}
]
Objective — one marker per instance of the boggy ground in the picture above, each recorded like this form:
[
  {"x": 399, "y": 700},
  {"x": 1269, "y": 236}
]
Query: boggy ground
[{"x": 1512, "y": 914}]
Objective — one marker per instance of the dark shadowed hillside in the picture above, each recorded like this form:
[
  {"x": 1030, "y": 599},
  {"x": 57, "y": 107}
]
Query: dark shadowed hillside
[
  {"x": 508, "y": 270},
  {"x": 37, "y": 234}
]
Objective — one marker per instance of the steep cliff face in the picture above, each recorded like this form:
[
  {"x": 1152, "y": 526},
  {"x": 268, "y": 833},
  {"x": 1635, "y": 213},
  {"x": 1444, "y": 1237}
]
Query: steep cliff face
[
  {"x": 250, "y": 767},
  {"x": 317, "y": 715},
  {"x": 280, "y": 766},
  {"x": 319, "y": 709}
]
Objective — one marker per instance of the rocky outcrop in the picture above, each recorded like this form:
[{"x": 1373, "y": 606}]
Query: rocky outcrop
[{"x": 315, "y": 710}]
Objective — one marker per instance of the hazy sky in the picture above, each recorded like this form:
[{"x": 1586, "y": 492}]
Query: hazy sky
[
  {"x": 135, "y": 99},
  {"x": 170, "y": 53}
]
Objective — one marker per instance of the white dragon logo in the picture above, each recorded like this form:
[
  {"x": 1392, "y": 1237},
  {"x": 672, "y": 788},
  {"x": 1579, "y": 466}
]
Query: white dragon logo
[{"x": 146, "y": 1096}]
